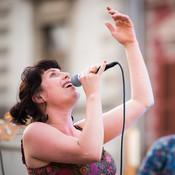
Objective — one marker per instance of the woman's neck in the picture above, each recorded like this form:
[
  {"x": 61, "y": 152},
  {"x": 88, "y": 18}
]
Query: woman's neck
[{"x": 62, "y": 120}]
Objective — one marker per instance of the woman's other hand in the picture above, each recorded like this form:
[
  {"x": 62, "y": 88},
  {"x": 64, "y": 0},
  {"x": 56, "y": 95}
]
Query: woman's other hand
[{"x": 123, "y": 31}]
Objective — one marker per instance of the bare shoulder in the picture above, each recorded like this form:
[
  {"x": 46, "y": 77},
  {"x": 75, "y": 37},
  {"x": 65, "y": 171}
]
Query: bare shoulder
[
  {"x": 33, "y": 127},
  {"x": 36, "y": 130}
]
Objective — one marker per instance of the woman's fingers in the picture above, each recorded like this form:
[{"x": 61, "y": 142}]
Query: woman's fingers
[
  {"x": 108, "y": 8},
  {"x": 112, "y": 12},
  {"x": 90, "y": 78},
  {"x": 116, "y": 15},
  {"x": 96, "y": 69},
  {"x": 102, "y": 68},
  {"x": 109, "y": 26},
  {"x": 120, "y": 17}
]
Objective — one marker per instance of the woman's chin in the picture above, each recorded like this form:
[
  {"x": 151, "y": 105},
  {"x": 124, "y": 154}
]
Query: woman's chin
[{"x": 78, "y": 96}]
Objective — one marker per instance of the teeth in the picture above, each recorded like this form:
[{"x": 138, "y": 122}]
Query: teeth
[{"x": 68, "y": 84}]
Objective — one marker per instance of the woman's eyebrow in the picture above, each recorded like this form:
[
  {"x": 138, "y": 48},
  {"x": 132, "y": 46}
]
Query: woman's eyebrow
[{"x": 53, "y": 70}]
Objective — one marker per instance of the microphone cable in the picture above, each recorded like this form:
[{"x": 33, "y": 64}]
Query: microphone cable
[
  {"x": 124, "y": 113},
  {"x": 2, "y": 167}
]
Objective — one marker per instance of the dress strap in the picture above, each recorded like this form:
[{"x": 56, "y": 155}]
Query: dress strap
[
  {"x": 78, "y": 127},
  {"x": 22, "y": 152}
]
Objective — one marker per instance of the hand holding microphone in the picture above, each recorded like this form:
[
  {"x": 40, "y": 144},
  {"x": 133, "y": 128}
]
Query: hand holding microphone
[
  {"x": 75, "y": 78},
  {"x": 90, "y": 79}
]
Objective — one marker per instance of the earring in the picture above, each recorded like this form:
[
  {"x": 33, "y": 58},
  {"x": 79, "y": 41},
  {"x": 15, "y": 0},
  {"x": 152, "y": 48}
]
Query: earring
[{"x": 45, "y": 118}]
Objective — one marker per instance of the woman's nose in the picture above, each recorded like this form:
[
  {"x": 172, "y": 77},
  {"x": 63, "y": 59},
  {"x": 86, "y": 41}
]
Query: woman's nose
[{"x": 66, "y": 75}]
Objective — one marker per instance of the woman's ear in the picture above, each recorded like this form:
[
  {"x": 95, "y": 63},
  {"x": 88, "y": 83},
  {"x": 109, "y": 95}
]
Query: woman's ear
[{"x": 37, "y": 98}]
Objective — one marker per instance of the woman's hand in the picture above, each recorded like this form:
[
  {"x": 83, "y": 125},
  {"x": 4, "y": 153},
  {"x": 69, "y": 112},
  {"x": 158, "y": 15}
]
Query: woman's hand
[
  {"x": 91, "y": 80},
  {"x": 123, "y": 31}
]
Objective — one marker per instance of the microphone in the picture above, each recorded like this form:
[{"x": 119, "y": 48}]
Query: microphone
[{"x": 75, "y": 78}]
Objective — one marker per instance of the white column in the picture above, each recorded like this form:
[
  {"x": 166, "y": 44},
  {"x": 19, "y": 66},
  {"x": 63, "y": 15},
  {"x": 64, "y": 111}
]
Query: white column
[{"x": 21, "y": 44}]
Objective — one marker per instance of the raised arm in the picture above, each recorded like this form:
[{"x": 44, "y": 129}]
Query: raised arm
[{"x": 141, "y": 91}]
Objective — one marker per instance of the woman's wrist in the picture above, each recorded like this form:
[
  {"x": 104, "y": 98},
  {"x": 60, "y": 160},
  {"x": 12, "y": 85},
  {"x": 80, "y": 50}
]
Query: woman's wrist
[
  {"x": 93, "y": 96},
  {"x": 132, "y": 44}
]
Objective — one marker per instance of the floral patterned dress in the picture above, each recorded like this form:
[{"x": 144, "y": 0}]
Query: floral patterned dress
[{"x": 106, "y": 166}]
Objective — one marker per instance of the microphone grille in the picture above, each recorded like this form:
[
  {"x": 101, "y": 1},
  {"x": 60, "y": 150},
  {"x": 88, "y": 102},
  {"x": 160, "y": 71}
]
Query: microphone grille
[{"x": 75, "y": 80}]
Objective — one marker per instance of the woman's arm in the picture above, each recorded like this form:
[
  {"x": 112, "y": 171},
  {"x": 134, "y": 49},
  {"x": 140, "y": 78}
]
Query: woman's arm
[
  {"x": 93, "y": 132},
  {"x": 141, "y": 91}
]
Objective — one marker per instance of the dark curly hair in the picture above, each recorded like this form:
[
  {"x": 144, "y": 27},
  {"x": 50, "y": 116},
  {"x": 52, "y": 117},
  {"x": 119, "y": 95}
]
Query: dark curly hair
[{"x": 31, "y": 78}]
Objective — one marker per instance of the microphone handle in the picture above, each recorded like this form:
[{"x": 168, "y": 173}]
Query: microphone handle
[
  {"x": 75, "y": 78},
  {"x": 112, "y": 64}
]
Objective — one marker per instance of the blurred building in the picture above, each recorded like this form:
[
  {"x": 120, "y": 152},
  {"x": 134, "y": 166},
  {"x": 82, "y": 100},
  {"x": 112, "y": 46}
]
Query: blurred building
[
  {"x": 160, "y": 50},
  {"x": 73, "y": 32}
]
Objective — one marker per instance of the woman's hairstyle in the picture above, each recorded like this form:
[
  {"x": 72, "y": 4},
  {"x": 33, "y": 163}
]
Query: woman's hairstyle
[{"x": 31, "y": 78}]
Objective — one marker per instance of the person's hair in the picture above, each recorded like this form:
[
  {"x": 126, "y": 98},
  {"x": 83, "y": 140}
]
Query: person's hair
[{"x": 31, "y": 78}]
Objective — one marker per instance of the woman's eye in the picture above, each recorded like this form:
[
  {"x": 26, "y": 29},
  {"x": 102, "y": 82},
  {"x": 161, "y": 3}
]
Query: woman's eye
[{"x": 52, "y": 74}]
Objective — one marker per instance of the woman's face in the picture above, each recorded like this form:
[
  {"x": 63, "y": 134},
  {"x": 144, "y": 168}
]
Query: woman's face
[{"x": 57, "y": 88}]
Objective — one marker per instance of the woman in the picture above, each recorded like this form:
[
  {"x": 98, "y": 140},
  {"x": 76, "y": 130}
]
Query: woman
[{"x": 52, "y": 144}]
